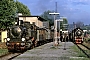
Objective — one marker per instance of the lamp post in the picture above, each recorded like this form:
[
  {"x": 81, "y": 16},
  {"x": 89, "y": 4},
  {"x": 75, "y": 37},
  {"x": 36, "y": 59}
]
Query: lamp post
[{"x": 55, "y": 29}]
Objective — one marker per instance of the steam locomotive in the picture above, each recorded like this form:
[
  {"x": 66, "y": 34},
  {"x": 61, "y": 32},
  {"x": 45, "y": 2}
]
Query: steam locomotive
[
  {"x": 76, "y": 35},
  {"x": 20, "y": 37},
  {"x": 23, "y": 36}
]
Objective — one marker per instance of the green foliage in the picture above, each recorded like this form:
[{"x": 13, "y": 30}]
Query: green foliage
[
  {"x": 7, "y": 13},
  {"x": 48, "y": 17},
  {"x": 3, "y": 51},
  {"x": 22, "y": 9},
  {"x": 61, "y": 25},
  {"x": 8, "y": 10},
  {"x": 78, "y": 51},
  {"x": 86, "y": 27},
  {"x": 65, "y": 21},
  {"x": 79, "y": 24}
]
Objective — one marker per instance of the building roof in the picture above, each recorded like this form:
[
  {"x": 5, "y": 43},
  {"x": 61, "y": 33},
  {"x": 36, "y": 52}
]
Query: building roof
[{"x": 39, "y": 18}]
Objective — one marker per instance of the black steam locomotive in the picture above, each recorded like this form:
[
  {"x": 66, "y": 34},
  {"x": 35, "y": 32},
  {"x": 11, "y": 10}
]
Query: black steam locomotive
[
  {"x": 76, "y": 35},
  {"x": 21, "y": 36}
]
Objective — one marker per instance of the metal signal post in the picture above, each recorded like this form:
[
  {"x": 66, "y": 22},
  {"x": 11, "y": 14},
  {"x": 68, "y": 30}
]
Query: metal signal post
[{"x": 55, "y": 28}]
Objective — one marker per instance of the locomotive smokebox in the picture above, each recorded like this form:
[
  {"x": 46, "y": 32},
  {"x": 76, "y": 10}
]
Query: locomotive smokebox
[
  {"x": 16, "y": 31},
  {"x": 79, "y": 32},
  {"x": 16, "y": 21}
]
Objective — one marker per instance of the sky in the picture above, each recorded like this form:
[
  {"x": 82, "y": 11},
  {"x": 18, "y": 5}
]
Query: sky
[{"x": 73, "y": 10}]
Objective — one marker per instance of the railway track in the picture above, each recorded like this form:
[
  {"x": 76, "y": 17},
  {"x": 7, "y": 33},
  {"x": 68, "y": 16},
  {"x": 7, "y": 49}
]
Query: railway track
[
  {"x": 9, "y": 56},
  {"x": 84, "y": 49},
  {"x": 86, "y": 46}
]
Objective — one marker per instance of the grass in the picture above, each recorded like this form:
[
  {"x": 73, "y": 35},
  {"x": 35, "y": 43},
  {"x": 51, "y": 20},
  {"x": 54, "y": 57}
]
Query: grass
[
  {"x": 79, "y": 59},
  {"x": 87, "y": 44},
  {"x": 78, "y": 51},
  {"x": 79, "y": 54},
  {"x": 53, "y": 47},
  {"x": 3, "y": 51}
]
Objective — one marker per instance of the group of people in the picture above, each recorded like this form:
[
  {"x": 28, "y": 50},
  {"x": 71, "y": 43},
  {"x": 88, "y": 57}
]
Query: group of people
[{"x": 64, "y": 38}]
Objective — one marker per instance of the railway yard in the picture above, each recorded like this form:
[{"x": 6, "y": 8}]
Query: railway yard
[
  {"x": 26, "y": 41},
  {"x": 50, "y": 35},
  {"x": 64, "y": 51}
]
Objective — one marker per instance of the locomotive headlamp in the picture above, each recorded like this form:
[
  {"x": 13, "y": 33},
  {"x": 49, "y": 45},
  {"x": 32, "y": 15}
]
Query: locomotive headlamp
[
  {"x": 79, "y": 32},
  {"x": 22, "y": 43},
  {"x": 8, "y": 39},
  {"x": 7, "y": 43},
  {"x": 23, "y": 39}
]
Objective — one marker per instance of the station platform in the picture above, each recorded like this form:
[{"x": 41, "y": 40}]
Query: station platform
[{"x": 49, "y": 52}]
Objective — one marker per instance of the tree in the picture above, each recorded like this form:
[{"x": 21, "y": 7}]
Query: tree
[
  {"x": 64, "y": 24},
  {"x": 48, "y": 17},
  {"x": 61, "y": 25},
  {"x": 65, "y": 21},
  {"x": 21, "y": 8},
  {"x": 7, "y": 12},
  {"x": 79, "y": 24}
]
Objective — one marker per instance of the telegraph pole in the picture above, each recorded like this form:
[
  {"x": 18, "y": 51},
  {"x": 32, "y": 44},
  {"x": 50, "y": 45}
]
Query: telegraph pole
[
  {"x": 55, "y": 28},
  {"x": 56, "y": 7}
]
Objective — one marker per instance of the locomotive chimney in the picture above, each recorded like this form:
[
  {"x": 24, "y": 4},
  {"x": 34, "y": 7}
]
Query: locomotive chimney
[{"x": 16, "y": 21}]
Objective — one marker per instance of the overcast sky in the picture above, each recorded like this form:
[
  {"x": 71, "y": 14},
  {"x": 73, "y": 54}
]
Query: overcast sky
[{"x": 74, "y": 10}]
